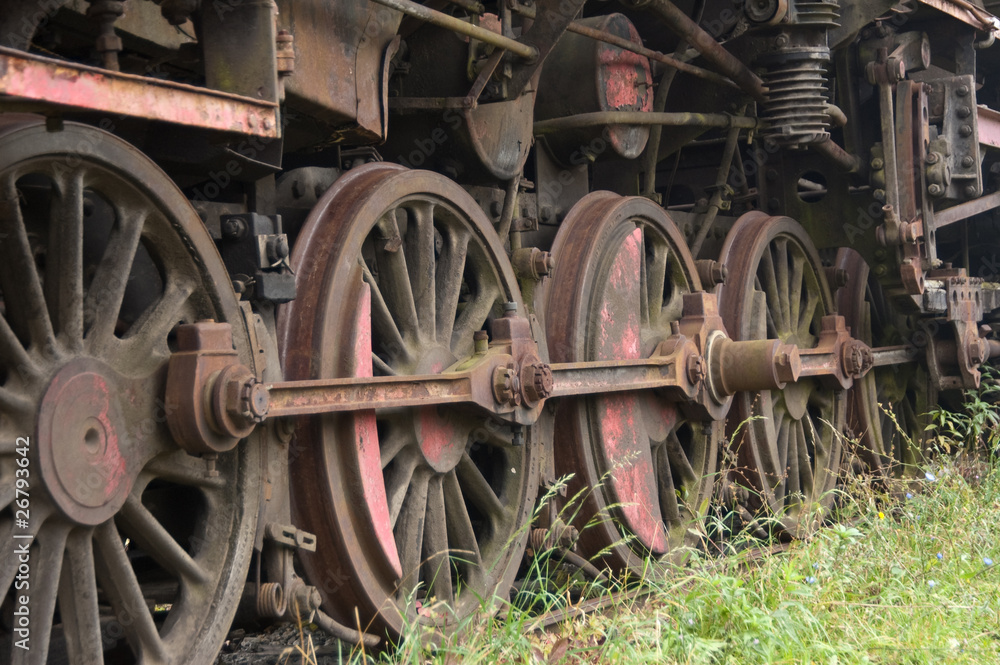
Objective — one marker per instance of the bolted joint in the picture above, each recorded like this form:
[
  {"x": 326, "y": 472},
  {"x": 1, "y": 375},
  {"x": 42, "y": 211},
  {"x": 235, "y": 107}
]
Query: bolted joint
[
  {"x": 787, "y": 364},
  {"x": 532, "y": 263},
  {"x": 695, "y": 368},
  {"x": 978, "y": 350},
  {"x": 712, "y": 273},
  {"x": 837, "y": 277},
  {"x": 856, "y": 358},
  {"x": 237, "y": 401},
  {"x": 506, "y": 385},
  {"x": 536, "y": 382}
]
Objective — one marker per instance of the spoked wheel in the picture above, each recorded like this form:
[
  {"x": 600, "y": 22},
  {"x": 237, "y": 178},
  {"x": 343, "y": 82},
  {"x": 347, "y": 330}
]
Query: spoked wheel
[
  {"x": 888, "y": 408},
  {"x": 117, "y": 545},
  {"x": 421, "y": 513},
  {"x": 622, "y": 270},
  {"x": 788, "y": 442}
]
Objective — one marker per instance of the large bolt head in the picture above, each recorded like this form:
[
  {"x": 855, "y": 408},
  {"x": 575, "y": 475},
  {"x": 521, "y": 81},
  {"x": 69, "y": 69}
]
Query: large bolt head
[{"x": 695, "y": 368}]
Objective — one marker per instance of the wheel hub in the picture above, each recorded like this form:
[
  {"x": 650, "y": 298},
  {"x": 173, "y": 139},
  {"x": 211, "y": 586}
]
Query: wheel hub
[
  {"x": 441, "y": 434},
  {"x": 81, "y": 433}
]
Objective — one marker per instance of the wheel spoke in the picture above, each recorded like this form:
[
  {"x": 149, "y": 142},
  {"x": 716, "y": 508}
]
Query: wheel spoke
[
  {"x": 437, "y": 560},
  {"x": 384, "y": 327},
  {"x": 394, "y": 278},
  {"x": 421, "y": 266},
  {"x": 118, "y": 580},
  {"x": 781, "y": 442},
  {"x": 78, "y": 600},
  {"x": 478, "y": 490},
  {"x": 797, "y": 278},
  {"x": 397, "y": 484},
  {"x": 11, "y": 542},
  {"x": 24, "y": 297},
  {"x": 394, "y": 441},
  {"x": 657, "y": 255},
  {"x": 151, "y": 329},
  {"x": 409, "y": 532},
  {"x": 781, "y": 272},
  {"x": 13, "y": 353},
  {"x": 805, "y": 463},
  {"x": 47, "y": 564},
  {"x": 679, "y": 461},
  {"x": 803, "y": 327},
  {"x": 64, "y": 270},
  {"x": 461, "y": 533},
  {"x": 769, "y": 281},
  {"x": 11, "y": 401},
  {"x": 449, "y": 276},
  {"x": 669, "y": 509},
  {"x": 140, "y": 524},
  {"x": 472, "y": 319},
  {"x": 793, "y": 487},
  {"x": 107, "y": 289}
]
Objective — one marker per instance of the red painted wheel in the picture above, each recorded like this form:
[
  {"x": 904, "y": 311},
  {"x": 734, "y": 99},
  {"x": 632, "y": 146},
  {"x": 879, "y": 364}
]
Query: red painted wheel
[
  {"x": 136, "y": 551},
  {"x": 887, "y": 409},
  {"x": 420, "y": 513},
  {"x": 788, "y": 443},
  {"x": 622, "y": 268}
]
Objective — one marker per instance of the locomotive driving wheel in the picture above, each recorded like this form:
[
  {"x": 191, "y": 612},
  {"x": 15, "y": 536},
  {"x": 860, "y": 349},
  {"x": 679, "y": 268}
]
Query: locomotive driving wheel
[
  {"x": 420, "y": 513},
  {"x": 622, "y": 271},
  {"x": 888, "y": 407},
  {"x": 787, "y": 442},
  {"x": 115, "y": 545}
]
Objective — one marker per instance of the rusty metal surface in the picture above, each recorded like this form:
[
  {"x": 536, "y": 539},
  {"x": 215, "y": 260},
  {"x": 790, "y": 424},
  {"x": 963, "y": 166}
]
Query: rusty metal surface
[
  {"x": 622, "y": 271},
  {"x": 466, "y": 505},
  {"x": 32, "y": 78},
  {"x": 83, "y": 353},
  {"x": 897, "y": 395},
  {"x": 777, "y": 289}
]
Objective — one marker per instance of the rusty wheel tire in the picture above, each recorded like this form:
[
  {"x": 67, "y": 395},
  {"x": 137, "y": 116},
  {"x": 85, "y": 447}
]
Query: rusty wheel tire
[
  {"x": 138, "y": 551},
  {"x": 890, "y": 445},
  {"x": 421, "y": 513},
  {"x": 644, "y": 472},
  {"x": 788, "y": 443}
]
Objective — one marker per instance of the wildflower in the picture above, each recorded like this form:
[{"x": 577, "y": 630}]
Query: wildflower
[
  {"x": 987, "y": 561},
  {"x": 690, "y": 622},
  {"x": 931, "y": 583},
  {"x": 810, "y": 580},
  {"x": 909, "y": 495},
  {"x": 756, "y": 641},
  {"x": 815, "y": 566},
  {"x": 930, "y": 477},
  {"x": 939, "y": 556},
  {"x": 881, "y": 515}
]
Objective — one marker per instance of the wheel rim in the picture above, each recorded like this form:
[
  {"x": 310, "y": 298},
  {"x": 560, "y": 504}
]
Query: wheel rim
[
  {"x": 133, "y": 538},
  {"x": 905, "y": 390},
  {"x": 788, "y": 443},
  {"x": 445, "y": 494},
  {"x": 622, "y": 269}
]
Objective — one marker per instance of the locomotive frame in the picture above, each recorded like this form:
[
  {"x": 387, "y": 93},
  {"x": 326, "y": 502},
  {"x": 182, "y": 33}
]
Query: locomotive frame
[{"x": 304, "y": 302}]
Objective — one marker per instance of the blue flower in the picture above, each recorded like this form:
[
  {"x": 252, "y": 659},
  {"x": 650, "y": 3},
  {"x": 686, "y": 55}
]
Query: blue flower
[
  {"x": 931, "y": 583},
  {"x": 987, "y": 561},
  {"x": 909, "y": 495},
  {"x": 810, "y": 580},
  {"x": 940, "y": 556},
  {"x": 930, "y": 476},
  {"x": 815, "y": 566}
]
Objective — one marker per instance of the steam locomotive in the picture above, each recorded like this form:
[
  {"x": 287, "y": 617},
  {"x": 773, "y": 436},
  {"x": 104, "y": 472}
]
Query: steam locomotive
[{"x": 305, "y": 304}]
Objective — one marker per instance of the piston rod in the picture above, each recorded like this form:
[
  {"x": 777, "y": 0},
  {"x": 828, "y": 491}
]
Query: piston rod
[{"x": 443, "y": 20}]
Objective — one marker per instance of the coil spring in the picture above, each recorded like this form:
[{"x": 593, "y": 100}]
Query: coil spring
[
  {"x": 817, "y": 13},
  {"x": 271, "y": 603},
  {"x": 795, "y": 110}
]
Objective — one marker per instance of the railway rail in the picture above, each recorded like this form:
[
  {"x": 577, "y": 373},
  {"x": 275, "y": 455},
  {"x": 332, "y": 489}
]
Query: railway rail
[{"x": 305, "y": 304}]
